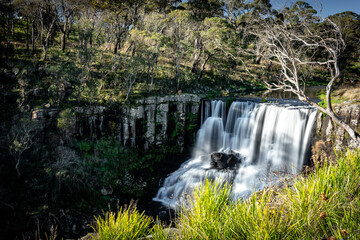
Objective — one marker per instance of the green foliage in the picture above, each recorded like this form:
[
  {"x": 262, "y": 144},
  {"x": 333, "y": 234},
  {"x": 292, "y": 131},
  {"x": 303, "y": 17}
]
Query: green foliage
[
  {"x": 125, "y": 224},
  {"x": 84, "y": 146},
  {"x": 65, "y": 119},
  {"x": 106, "y": 163},
  {"x": 336, "y": 98},
  {"x": 191, "y": 119}
]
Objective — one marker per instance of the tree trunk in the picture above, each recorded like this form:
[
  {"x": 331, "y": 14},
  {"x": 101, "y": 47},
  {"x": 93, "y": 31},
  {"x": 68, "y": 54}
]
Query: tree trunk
[
  {"x": 33, "y": 36},
  {"x": 64, "y": 32},
  {"x": 69, "y": 30},
  {"x": 46, "y": 40},
  {"x": 27, "y": 34},
  {"x": 196, "y": 60},
  {"x": 203, "y": 66},
  {"x": 133, "y": 50},
  {"x": 17, "y": 166},
  {"x": 91, "y": 40},
  {"x": 8, "y": 26},
  {"x": 116, "y": 46},
  {"x": 44, "y": 52},
  {"x": 12, "y": 28},
  {"x": 152, "y": 78}
]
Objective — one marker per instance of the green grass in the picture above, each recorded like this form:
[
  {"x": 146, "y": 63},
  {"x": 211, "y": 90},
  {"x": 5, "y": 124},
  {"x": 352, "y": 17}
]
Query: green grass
[
  {"x": 335, "y": 98},
  {"x": 125, "y": 224},
  {"x": 325, "y": 204}
]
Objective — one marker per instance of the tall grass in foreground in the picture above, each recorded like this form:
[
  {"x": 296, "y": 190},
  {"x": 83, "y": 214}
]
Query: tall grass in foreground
[
  {"x": 126, "y": 224},
  {"x": 323, "y": 205}
]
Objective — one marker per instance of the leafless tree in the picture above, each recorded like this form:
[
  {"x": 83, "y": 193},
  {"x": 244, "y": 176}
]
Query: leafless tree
[{"x": 296, "y": 47}]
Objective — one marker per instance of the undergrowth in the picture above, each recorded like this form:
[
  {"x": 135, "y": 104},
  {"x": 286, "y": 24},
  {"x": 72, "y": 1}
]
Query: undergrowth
[{"x": 324, "y": 204}]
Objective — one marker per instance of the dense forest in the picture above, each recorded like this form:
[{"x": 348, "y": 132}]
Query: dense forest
[{"x": 77, "y": 53}]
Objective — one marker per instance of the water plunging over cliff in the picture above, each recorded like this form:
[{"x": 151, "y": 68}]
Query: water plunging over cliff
[{"x": 267, "y": 138}]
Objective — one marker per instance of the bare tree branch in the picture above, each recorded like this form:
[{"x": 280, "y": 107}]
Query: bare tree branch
[{"x": 295, "y": 47}]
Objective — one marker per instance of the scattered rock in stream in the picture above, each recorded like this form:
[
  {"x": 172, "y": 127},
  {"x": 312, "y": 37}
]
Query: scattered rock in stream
[{"x": 220, "y": 160}]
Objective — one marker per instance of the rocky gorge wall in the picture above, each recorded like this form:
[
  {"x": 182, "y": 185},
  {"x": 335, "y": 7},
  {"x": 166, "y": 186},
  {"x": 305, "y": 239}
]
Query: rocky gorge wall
[
  {"x": 157, "y": 121},
  {"x": 151, "y": 121}
]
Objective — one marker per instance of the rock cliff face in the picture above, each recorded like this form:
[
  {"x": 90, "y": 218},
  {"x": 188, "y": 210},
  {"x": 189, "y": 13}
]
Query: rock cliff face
[
  {"x": 335, "y": 136},
  {"x": 148, "y": 122},
  {"x": 158, "y": 121}
]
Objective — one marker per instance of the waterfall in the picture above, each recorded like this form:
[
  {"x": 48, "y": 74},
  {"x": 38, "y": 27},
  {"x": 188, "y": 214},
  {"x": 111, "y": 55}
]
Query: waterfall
[{"x": 268, "y": 138}]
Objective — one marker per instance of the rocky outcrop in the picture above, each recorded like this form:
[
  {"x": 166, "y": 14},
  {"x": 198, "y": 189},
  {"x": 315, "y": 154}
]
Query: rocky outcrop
[
  {"x": 148, "y": 122},
  {"x": 220, "y": 160},
  {"x": 328, "y": 132},
  {"x": 157, "y": 120}
]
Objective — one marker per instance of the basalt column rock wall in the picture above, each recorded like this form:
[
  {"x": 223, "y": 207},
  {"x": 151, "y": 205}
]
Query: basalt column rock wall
[
  {"x": 159, "y": 120},
  {"x": 148, "y": 122},
  {"x": 331, "y": 135}
]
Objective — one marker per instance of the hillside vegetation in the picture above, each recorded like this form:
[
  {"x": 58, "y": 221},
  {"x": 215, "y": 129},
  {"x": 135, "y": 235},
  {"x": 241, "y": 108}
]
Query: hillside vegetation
[{"x": 104, "y": 52}]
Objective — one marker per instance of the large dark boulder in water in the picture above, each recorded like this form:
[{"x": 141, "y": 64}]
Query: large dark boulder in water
[{"x": 220, "y": 160}]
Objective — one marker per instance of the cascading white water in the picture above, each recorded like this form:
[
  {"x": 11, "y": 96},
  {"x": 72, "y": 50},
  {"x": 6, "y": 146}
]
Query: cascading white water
[{"x": 268, "y": 137}]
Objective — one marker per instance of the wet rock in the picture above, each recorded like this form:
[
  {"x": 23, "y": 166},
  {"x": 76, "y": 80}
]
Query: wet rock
[
  {"x": 35, "y": 92},
  {"x": 221, "y": 160},
  {"x": 106, "y": 190}
]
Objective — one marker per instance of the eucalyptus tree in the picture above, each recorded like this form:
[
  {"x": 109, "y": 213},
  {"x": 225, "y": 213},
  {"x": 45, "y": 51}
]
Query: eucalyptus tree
[
  {"x": 349, "y": 24},
  {"x": 179, "y": 28},
  {"x": 163, "y": 6},
  {"x": 205, "y": 8},
  {"x": 218, "y": 41},
  {"x": 127, "y": 14},
  {"x": 47, "y": 20},
  {"x": 294, "y": 48},
  {"x": 65, "y": 9},
  {"x": 151, "y": 42},
  {"x": 299, "y": 12},
  {"x": 89, "y": 25},
  {"x": 234, "y": 11}
]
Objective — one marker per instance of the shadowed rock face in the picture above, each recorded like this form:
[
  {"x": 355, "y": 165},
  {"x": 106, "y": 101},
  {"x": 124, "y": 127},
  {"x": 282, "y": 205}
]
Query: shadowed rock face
[{"x": 220, "y": 160}]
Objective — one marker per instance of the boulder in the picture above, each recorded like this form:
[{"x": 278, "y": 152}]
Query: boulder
[{"x": 220, "y": 160}]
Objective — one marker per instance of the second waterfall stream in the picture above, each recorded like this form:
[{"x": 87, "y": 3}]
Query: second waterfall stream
[{"x": 268, "y": 138}]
